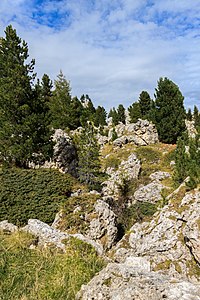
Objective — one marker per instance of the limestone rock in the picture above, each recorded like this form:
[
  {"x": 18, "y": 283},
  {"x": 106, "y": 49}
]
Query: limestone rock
[
  {"x": 103, "y": 227},
  {"x": 171, "y": 240},
  {"x": 50, "y": 237},
  {"x": 65, "y": 156},
  {"x": 128, "y": 169},
  {"x": 133, "y": 280},
  {"x": 151, "y": 192},
  {"x": 159, "y": 175},
  {"x": 5, "y": 226}
]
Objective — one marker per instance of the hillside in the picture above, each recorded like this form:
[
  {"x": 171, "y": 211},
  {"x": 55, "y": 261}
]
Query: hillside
[{"x": 141, "y": 232}]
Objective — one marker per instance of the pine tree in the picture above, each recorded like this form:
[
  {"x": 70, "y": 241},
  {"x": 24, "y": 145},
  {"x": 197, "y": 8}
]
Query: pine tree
[
  {"x": 145, "y": 104},
  {"x": 181, "y": 160},
  {"x": 88, "y": 155},
  {"x": 170, "y": 112},
  {"x": 196, "y": 118},
  {"x": 100, "y": 116},
  {"x": 18, "y": 109},
  {"x": 121, "y": 114},
  {"x": 135, "y": 112},
  {"x": 60, "y": 103},
  {"x": 189, "y": 115},
  {"x": 114, "y": 115}
]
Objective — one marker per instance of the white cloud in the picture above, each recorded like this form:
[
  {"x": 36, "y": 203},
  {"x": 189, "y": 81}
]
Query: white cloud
[{"x": 112, "y": 50}]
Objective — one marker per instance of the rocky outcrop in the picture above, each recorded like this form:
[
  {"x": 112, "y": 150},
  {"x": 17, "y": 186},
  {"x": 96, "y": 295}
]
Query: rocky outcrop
[
  {"x": 134, "y": 280},
  {"x": 50, "y": 237},
  {"x": 64, "y": 156},
  {"x": 171, "y": 241},
  {"x": 141, "y": 133},
  {"x": 128, "y": 169},
  {"x": 7, "y": 227},
  {"x": 151, "y": 192},
  {"x": 103, "y": 227}
]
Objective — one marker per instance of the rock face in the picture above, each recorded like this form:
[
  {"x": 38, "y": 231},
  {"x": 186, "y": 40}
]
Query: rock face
[
  {"x": 65, "y": 156},
  {"x": 48, "y": 236},
  {"x": 128, "y": 169},
  {"x": 141, "y": 133},
  {"x": 133, "y": 280},
  {"x": 103, "y": 227},
  {"x": 151, "y": 192}
]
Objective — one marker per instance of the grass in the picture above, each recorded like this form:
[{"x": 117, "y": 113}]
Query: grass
[{"x": 42, "y": 275}]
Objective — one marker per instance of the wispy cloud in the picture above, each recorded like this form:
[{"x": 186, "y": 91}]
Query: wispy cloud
[{"x": 112, "y": 50}]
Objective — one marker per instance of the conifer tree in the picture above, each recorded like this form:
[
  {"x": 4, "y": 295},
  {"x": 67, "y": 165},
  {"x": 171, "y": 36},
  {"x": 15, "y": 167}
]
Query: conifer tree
[
  {"x": 145, "y": 104},
  {"x": 114, "y": 115},
  {"x": 135, "y": 112},
  {"x": 100, "y": 116},
  {"x": 170, "y": 112},
  {"x": 60, "y": 104},
  {"x": 121, "y": 114},
  {"x": 88, "y": 156},
  {"x": 189, "y": 115},
  {"x": 20, "y": 105}
]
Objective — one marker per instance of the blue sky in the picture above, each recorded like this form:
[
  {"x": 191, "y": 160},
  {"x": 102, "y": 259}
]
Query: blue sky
[{"x": 112, "y": 50}]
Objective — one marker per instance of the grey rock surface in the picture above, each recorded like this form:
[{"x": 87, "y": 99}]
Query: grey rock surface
[
  {"x": 103, "y": 227},
  {"x": 151, "y": 192},
  {"x": 128, "y": 169},
  {"x": 5, "y": 226},
  {"x": 48, "y": 236},
  {"x": 131, "y": 281}
]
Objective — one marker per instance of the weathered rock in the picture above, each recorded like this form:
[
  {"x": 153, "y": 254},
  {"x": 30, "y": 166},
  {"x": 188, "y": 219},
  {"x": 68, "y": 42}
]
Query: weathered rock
[
  {"x": 171, "y": 240},
  {"x": 159, "y": 175},
  {"x": 103, "y": 227},
  {"x": 141, "y": 133},
  {"x": 65, "y": 156},
  {"x": 128, "y": 169},
  {"x": 133, "y": 280},
  {"x": 48, "y": 236},
  {"x": 5, "y": 226},
  {"x": 151, "y": 192}
]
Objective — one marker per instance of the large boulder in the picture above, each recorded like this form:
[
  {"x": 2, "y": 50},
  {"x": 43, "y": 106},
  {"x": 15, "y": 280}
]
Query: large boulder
[{"x": 7, "y": 227}]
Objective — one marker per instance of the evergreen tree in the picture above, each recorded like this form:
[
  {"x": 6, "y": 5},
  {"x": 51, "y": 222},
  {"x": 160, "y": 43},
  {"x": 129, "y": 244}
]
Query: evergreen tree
[
  {"x": 134, "y": 112},
  {"x": 88, "y": 112},
  {"x": 100, "y": 116},
  {"x": 181, "y": 159},
  {"x": 145, "y": 104},
  {"x": 19, "y": 105},
  {"x": 114, "y": 115},
  {"x": 189, "y": 115},
  {"x": 60, "y": 104},
  {"x": 170, "y": 112},
  {"x": 76, "y": 109},
  {"x": 196, "y": 118},
  {"x": 121, "y": 114},
  {"x": 88, "y": 155}
]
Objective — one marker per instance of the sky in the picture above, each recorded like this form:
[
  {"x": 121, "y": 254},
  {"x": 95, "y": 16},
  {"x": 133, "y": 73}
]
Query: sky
[{"x": 112, "y": 50}]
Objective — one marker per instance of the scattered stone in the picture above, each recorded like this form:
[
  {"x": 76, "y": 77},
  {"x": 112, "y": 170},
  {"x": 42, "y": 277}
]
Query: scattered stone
[{"x": 190, "y": 125}]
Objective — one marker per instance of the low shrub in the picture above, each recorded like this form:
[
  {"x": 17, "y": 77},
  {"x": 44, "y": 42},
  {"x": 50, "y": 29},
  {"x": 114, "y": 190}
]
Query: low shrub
[{"x": 26, "y": 194}]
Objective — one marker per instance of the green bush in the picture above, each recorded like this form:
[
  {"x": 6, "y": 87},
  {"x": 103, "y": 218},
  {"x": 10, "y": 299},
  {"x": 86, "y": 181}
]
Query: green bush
[
  {"x": 32, "y": 274},
  {"x": 29, "y": 194}
]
